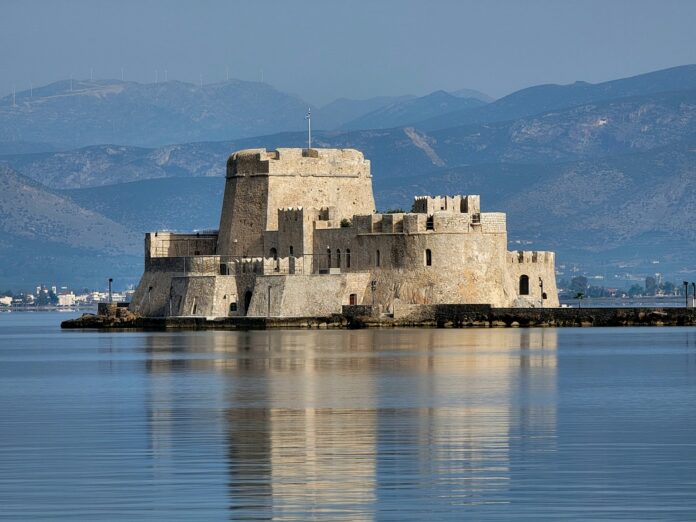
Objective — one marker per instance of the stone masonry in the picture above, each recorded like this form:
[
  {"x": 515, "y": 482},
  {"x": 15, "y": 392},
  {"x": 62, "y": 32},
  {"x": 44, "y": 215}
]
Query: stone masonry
[{"x": 299, "y": 237}]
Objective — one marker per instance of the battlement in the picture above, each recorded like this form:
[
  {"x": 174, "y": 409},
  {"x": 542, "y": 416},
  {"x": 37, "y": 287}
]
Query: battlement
[
  {"x": 298, "y": 162},
  {"x": 531, "y": 256},
  {"x": 451, "y": 204},
  {"x": 171, "y": 244},
  {"x": 438, "y": 222}
]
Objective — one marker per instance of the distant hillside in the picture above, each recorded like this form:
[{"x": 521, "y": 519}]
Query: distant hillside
[
  {"x": 130, "y": 113},
  {"x": 409, "y": 111},
  {"x": 544, "y": 98},
  {"x": 472, "y": 93},
  {"x": 180, "y": 203},
  {"x": 342, "y": 110},
  {"x": 595, "y": 130},
  {"x": 45, "y": 237}
]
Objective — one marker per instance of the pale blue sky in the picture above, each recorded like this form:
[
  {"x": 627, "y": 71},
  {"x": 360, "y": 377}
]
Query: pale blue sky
[{"x": 326, "y": 49}]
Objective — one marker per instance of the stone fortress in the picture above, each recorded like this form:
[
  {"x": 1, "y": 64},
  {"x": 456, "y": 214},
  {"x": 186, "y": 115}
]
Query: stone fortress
[{"x": 299, "y": 237}]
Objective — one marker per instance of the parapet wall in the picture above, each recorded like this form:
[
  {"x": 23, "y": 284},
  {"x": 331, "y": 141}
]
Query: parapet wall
[
  {"x": 169, "y": 244},
  {"x": 298, "y": 162},
  {"x": 452, "y": 204}
]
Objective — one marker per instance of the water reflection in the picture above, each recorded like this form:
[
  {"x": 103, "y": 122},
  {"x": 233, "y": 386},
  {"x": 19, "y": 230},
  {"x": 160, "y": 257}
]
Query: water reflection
[{"x": 335, "y": 424}]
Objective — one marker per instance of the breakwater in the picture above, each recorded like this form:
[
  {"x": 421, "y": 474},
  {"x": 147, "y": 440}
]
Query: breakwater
[{"x": 438, "y": 316}]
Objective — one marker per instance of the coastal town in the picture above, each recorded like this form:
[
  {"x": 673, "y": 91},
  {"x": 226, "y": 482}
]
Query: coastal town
[{"x": 44, "y": 297}]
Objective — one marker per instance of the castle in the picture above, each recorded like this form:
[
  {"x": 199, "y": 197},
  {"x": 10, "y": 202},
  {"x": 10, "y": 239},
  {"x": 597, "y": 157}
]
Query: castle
[{"x": 299, "y": 237}]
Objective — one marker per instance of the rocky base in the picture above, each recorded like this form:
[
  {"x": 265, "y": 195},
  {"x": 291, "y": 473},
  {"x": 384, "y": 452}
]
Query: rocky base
[{"x": 436, "y": 316}]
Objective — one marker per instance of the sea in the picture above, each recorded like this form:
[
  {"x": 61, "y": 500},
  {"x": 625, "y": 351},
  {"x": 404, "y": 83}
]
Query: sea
[{"x": 383, "y": 424}]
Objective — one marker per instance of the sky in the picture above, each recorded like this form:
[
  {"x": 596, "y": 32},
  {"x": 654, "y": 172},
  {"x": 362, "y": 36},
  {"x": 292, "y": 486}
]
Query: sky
[{"x": 322, "y": 50}]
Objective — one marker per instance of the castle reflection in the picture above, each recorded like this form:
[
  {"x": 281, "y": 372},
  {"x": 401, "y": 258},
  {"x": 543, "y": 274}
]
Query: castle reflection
[{"x": 334, "y": 422}]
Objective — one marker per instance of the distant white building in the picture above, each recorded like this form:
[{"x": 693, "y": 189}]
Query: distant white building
[
  {"x": 67, "y": 299},
  {"x": 5, "y": 301}
]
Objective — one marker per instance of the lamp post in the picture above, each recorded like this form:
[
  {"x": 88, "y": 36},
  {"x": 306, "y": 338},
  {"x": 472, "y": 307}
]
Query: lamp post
[
  {"x": 686, "y": 294},
  {"x": 693, "y": 294},
  {"x": 111, "y": 280},
  {"x": 373, "y": 287}
]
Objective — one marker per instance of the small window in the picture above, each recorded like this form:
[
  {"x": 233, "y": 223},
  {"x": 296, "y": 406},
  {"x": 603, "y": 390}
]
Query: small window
[
  {"x": 338, "y": 258},
  {"x": 428, "y": 257},
  {"x": 274, "y": 254},
  {"x": 353, "y": 299},
  {"x": 524, "y": 285},
  {"x": 348, "y": 258},
  {"x": 292, "y": 251},
  {"x": 196, "y": 252},
  {"x": 378, "y": 259},
  {"x": 233, "y": 307},
  {"x": 328, "y": 257}
]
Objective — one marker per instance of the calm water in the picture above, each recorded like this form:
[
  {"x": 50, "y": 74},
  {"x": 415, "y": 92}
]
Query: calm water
[{"x": 346, "y": 425}]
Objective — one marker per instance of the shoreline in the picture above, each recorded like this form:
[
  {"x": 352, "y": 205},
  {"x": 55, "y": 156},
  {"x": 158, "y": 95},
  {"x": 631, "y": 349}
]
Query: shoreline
[{"x": 427, "y": 316}]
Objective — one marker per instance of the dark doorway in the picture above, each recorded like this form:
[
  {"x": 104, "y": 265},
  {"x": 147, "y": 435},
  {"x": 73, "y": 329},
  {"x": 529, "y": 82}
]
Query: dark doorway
[
  {"x": 524, "y": 285},
  {"x": 353, "y": 299},
  {"x": 247, "y": 301}
]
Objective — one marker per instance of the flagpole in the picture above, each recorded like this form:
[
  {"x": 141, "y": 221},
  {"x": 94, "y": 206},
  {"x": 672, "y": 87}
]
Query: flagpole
[{"x": 309, "y": 128}]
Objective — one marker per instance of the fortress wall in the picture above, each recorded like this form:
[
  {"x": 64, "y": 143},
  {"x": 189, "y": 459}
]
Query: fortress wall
[
  {"x": 349, "y": 195},
  {"x": 535, "y": 265},
  {"x": 305, "y": 295},
  {"x": 493, "y": 223},
  {"x": 169, "y": 244},
  {"x": 414, "y": 223},
  {"x": 244, "y": 216},
  {"x": 342, "y": 239},
  {"x": 466, "y": 267},
  {"x": 450, "y": 204},
  {"x": 449, "y": 222},
  {"x": 260, "y": 182}
]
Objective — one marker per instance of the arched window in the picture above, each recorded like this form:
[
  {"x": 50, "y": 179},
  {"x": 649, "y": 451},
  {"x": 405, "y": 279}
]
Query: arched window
[
  {"x": 292, "y": 251},
  {"x": 428, "y": 257},
  {"x": 524, "y": 285},
  {"x": 378, "y": 260},
  {"x": 338, "y": 257},
  {"x": 328, "y": 258},
  {"x": 274, "y": 253},
  {"x": 348, "y": 258}
]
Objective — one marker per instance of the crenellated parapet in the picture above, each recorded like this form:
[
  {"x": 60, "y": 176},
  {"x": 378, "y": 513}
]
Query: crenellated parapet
[
  {"x": 451, "y": 204},
  {"x": 526, "y": 257},
  {"x": 298, "y": 162}
]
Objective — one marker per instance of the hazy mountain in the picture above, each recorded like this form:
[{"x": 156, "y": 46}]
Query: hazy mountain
[
  {"x": 78, "y": 113},
  {"x": 180, "y": 203},
  {"x": 408, "y": 111},
  {"x": 45, "y": 237},
  {"x": 543, "y": 98},
  {"x": 342, "y": 110},
  {"x": 589, "y": 131},
  {"x": 472, "y": 93}
]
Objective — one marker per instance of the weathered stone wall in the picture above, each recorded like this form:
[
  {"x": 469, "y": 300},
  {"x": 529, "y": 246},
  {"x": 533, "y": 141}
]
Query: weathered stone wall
[
  {"x": 450, "y": 204},
  {"x": 260, "y": 182},
  {"x": 537, "y": 266},
  {"x": 304, "y": 295},
  {"x": 169, "y": 244}
]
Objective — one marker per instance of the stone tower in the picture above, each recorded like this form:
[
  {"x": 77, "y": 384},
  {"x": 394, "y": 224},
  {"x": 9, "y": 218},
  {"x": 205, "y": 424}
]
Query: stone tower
[{"x": 259, "y": 182}]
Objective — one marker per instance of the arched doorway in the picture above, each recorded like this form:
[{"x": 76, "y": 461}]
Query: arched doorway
[
  {"x": 524, "y": 285},
  {"x": 247, "y": 301}
]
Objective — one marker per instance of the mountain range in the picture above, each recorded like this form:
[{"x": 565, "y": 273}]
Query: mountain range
[{"x": 601, "y": 173}]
